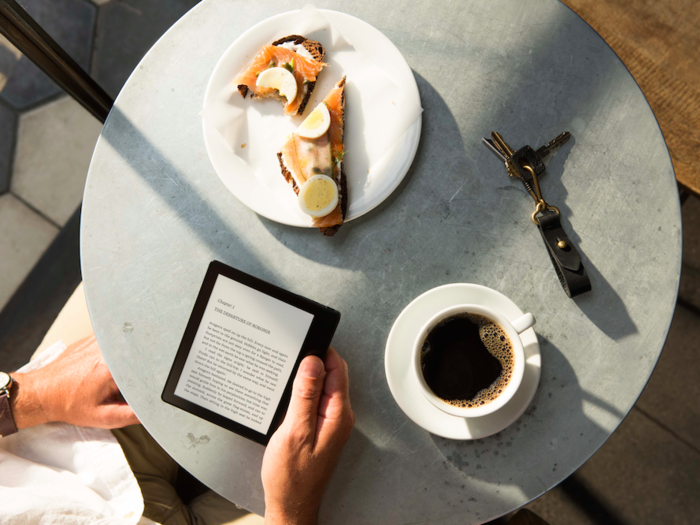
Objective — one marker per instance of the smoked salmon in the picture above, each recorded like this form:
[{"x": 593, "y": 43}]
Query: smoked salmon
[
  {"x": 301, "y": 56},
  {"x": 302, "y": 158}
]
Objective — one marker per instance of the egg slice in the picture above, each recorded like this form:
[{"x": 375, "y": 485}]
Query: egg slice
[
  {"x": 318, "y": 196},
  {"x": 316, "y": 124},
  {"x": 281, "y": 79}
]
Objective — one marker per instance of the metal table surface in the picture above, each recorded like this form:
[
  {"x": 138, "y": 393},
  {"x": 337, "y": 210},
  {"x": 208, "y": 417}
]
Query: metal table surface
[{"x": 155, "y": 214}]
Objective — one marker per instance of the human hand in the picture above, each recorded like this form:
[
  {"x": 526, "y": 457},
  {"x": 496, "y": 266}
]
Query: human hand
[
  {"x": 302, "y": 453},
  {"x": 76, "y": 388}
]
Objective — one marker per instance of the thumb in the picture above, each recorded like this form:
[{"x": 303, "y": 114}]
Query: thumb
[{"x": 306, "y": 393}]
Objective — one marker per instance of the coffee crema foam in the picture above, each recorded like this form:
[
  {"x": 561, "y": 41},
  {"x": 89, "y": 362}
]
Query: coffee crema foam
[{"x": 498, "y": 345}]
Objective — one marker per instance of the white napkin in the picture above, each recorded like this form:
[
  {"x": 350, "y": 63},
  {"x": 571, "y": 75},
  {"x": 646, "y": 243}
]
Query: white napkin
[{"x": 61, "y": 473}]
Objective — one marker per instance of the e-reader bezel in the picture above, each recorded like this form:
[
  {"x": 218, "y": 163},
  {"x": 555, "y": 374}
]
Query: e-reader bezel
[{"x": 318, "y": 339}]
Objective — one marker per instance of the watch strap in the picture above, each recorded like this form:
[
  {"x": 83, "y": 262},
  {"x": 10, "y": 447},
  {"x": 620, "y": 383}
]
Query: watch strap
[
  {"x": 7, "y": 420},
  {"x": 564, "y": 255}
]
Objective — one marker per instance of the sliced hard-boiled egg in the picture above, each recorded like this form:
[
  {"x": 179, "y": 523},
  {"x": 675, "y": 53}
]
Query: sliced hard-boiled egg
[
  {"x": 318, "y": 196},
  {"x": 281, "y": 79},
  {"x": 316, "y": 124}
]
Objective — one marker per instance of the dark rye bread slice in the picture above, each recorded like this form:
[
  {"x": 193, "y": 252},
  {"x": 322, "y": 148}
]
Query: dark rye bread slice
[
  {"x": 343, "y": 190},
  {"x": 314, "y": 48},
  {"x": 343, "y": 196}
]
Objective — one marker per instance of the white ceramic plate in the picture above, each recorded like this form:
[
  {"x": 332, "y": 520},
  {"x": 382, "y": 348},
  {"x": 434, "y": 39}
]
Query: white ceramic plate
[
  {"x": 368, "y": 185},
  {"x": 404, "y": 385}
]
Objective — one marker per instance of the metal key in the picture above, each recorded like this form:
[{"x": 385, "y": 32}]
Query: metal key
[
  {"x": 502, "y": 145},
  {"x": 504, "y": 152},
  {"x": 523, "y": 162},
  {"x": 530, "y": 164},
  {"x": 495, "y": 149},
  {"x": 562, "y": 139},
  {"x": 525, "y": 155}
]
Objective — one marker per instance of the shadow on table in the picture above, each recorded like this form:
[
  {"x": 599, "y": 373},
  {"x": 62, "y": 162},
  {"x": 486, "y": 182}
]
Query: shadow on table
[
  {"x": 602, "y": 305},
  {"x": 559, "y": 410},
  {"x": 170, "y": 184},
  {"x": 484, "y": 472}
]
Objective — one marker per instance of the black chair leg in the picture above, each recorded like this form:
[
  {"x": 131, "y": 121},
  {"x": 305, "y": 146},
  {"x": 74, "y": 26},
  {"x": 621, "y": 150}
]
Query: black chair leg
[{"x": 27, "y": 36}]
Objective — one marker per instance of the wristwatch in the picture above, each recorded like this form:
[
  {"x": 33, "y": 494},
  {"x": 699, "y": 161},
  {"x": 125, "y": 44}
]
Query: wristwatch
[{"x": 7, "y": 421}]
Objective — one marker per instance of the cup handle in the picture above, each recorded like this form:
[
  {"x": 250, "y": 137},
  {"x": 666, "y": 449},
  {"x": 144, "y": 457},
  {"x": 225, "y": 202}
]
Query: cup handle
[{"x": 523, "y": 322}]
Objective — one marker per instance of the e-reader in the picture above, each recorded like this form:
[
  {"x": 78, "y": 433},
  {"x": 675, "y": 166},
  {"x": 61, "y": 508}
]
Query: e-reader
[{"x": 241, "y": 350}]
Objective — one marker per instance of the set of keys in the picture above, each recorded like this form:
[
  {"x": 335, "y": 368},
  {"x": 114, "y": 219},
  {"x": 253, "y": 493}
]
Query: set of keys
[{"x": 527, "y": 165}]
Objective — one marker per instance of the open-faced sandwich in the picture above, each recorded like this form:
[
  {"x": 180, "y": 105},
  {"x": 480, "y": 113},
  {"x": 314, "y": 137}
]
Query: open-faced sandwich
[
  {"x": 286, "y": 70},
  {"x": 312, "y": 162}
]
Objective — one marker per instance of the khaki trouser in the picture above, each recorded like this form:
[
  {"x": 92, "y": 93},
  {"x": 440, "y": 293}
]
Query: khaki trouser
[{"x": 154, "y": 469}]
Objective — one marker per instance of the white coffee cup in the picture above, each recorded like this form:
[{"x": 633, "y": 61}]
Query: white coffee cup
[{"x": 512, "y": 330}]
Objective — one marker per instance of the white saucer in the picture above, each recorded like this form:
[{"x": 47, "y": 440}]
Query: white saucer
[{"x": 404, "y": 386}]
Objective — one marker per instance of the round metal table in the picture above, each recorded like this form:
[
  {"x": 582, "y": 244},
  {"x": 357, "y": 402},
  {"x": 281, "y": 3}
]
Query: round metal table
[{"x": 155, "y": 214}]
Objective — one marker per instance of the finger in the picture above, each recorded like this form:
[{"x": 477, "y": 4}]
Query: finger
[
  {"x": 105, "y": 382},
  {"x": 336, "y": 417},
  {"x": 333, "y": 359},
  {"x": 333, "y": 407},
  {"x": 117, "y": 415},
  {"x": 330, "y": 433},
  {"x": 112, "y": 394},
  {"x": 338, "y": 368},
  {"x": 306, "y": 392},
  {"x": 334, "y": 431},
  {"x": 336, "y": 398}
]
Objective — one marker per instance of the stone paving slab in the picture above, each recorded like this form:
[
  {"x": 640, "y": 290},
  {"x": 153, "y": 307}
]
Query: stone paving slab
[
  {"x": 557, "y": 508},
  {"x": 126, "y": 31},
  {"x": 689, "y": 292},
  {"x": 690, "y": 277},
  {"x": 26, "y": 318},
  {"x": 70, "y": 23},
  {"x": 54, "y": 147},
  {"x": 8, "y": 121},
  {"x": 24, "y": 235},
  {"x": 673, "y": 392}
]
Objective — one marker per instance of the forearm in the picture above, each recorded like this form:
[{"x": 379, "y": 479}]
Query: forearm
[{"x": 26, "y": 407}]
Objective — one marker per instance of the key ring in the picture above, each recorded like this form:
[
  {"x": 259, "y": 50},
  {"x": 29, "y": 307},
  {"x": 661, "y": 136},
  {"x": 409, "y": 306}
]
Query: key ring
[
  {"x": 525, "y": 164},
  {"x": 540, "y": 204}
]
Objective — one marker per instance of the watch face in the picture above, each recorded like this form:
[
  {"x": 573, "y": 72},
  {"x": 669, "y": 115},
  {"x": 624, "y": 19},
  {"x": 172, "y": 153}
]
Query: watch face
[{"x": 4, "y": 380}]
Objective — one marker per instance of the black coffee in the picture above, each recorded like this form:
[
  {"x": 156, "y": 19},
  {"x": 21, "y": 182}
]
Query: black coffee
[{"x": 467, "y": 360}]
